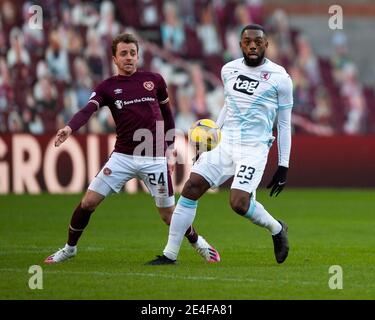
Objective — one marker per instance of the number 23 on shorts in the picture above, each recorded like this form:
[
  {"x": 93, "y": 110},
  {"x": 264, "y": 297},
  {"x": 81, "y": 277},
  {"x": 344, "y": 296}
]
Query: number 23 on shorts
[{"x": 245, "y": 174}]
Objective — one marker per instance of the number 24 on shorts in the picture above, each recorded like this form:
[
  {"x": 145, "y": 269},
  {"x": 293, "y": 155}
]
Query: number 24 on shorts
[{"x": 152, "y": 179}]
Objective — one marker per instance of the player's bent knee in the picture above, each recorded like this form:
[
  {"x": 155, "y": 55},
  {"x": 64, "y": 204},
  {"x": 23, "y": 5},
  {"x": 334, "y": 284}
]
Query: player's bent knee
[
  {"x": 195, "y": 188},
  {"x": 88, "y": 204},
  {"x": 165, "y": 207},
  {"x": 91, "y": 200},
  {"x": 239, "y": 206},
  {"x": 166, "y": 220},
  {"x": 166, "y": 214}
]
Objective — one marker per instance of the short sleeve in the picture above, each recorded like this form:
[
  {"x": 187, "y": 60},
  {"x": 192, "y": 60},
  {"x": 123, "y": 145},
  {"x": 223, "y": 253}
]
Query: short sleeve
[{"x": 285, "y": 92}]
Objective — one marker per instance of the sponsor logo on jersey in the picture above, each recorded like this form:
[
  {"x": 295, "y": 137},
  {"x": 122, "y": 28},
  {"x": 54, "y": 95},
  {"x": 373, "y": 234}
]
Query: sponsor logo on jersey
[
  {"x": 245, "y": 85},
  {"x": 107, "y": 171},
  {"x": 265, "y": 75},
  {"x": 117, "y": 91},
  {"x": 119, "y": 104},
  {"x": 149, "y": 85},
  {"x": 143, "y": 99}
]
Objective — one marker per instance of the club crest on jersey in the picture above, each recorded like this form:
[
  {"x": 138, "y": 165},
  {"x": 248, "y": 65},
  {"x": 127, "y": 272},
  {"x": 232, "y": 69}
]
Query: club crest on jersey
[
  {"x": 149, "y": 85},
  {"x": 119, "y": 104},
  {"x": 265, "y": 75},
  {"x": 245, "y": 85},
  {"x": 117, "y": 91},
  {"x": 162, "y": 190}
]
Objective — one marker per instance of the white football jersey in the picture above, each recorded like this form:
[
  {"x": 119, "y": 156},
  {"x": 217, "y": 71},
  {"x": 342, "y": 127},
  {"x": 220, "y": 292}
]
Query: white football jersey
[{"x": 253, "y": 95}]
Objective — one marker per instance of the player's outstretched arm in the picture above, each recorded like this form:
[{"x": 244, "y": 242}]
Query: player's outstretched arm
[
  {"x": 78, "y": 120},
  {"x": 62, "y": 135}
]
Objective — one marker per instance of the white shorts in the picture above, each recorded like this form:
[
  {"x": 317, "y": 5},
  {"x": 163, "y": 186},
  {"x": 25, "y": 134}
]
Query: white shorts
[
  {"x": 120, "y": 168},
  {"x": 245, "y": 163}
]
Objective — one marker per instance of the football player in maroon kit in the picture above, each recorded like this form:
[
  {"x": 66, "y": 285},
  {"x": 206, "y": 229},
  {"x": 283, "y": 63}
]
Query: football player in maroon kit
[{"x": 138, "y": 101}]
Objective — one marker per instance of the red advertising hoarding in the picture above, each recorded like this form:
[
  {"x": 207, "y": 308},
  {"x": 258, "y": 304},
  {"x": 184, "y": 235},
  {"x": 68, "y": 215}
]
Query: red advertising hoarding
[{"x": 32, "y": 164}]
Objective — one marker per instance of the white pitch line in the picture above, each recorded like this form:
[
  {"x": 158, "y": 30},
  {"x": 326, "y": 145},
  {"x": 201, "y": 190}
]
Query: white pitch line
[
  {"x": 33, "y": 249},
  {"x": 153, "y": 275}
]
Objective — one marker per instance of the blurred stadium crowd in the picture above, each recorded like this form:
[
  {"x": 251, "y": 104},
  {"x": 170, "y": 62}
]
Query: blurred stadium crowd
[{"x": 47, "y": 75}]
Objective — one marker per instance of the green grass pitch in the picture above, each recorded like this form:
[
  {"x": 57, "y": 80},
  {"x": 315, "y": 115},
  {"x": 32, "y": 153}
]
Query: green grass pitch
[{"x": 326, "y": 227}]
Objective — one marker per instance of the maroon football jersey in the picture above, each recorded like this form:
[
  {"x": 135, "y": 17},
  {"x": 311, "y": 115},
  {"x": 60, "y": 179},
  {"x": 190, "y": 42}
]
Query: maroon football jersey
[{"x": 134, "y": 104}]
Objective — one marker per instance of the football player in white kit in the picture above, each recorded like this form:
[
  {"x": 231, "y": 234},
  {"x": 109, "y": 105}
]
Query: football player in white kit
[{"x": 256, "y": 91}]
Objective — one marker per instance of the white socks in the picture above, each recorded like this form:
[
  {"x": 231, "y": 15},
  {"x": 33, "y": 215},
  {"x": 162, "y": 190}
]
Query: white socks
[
  {"x": 258, "y": 215},
  {"x": 183, "y": 217},
  {"x": 184, "y": 214}
]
